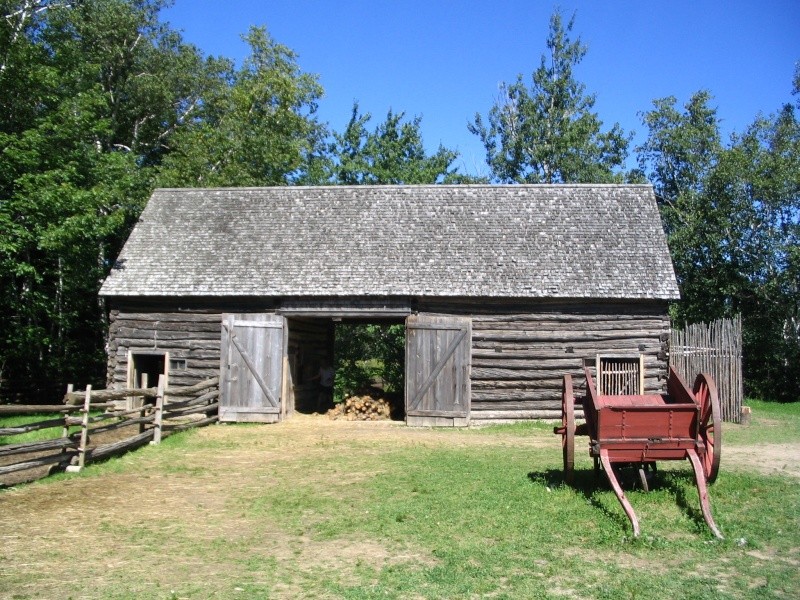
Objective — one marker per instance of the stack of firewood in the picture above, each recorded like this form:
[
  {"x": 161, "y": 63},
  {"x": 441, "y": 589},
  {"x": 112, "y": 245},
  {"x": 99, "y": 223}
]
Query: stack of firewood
[{"x": 361, "y": 408}]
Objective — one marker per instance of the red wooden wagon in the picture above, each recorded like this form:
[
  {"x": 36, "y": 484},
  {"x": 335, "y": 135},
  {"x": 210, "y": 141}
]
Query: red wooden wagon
[{"x": 626, "y": 425}]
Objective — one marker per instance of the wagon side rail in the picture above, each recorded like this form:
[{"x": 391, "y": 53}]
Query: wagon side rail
[
  {"x": 591, "y": 388},
  {"x": 591, "y": 404},
  {"x": 678, "y": 390}
]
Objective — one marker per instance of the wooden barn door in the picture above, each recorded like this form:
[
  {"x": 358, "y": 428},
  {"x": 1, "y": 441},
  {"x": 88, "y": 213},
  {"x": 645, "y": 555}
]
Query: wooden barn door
[
  {"x": 253, "y": 350},
  {"x": 438, "y": 370}
]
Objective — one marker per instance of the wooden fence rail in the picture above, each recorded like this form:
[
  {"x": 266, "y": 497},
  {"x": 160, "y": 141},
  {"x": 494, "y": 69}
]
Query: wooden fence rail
[
  {"x": 163, "y": 411},
  {"x": 714, "y": 348}
]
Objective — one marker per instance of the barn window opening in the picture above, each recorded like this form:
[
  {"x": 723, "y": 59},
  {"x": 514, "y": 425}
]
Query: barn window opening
[
  {"x": 145, "y": 369},
  {"x": 177, "y": 364}
]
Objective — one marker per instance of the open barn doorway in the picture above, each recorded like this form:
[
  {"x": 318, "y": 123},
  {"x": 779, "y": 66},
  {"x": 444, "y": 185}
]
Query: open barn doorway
[{"x": 348, "y": 368}]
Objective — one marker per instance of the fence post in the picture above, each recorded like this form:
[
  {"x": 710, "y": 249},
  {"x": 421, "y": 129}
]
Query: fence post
[
  {"x": 65, "y": 431},
  {"x": 145, "y": 406},
  {"x": 87, "y": 403},
  {"x": 159, "y": 411}
]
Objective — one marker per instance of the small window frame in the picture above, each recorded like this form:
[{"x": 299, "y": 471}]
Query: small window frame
[{"x": 178, "y": 364}]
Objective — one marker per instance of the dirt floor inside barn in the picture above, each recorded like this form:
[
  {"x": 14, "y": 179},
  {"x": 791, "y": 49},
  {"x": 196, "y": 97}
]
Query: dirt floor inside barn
[{"x": 120, "y": 522}]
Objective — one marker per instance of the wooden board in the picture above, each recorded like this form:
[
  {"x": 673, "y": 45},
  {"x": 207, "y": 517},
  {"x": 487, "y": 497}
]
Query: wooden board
[
  {"x": 252, "y": 359},
  {"x": 437, "y": 370}
]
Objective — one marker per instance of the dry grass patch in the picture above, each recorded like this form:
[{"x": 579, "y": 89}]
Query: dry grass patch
[
  {"x": 185, "y": 516},
  {"x": 770, "y": 459}
]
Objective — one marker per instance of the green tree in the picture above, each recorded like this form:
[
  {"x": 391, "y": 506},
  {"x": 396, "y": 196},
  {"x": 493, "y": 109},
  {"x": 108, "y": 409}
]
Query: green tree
[
  {"x": 757, "y": 182},
  {"x": 548, "y": 133},
  {"x": 393, "y": 153},
  {"x": 732, "y": 215},
  {"x": 255, "y": 126},
  {"x": 679, "y": 155},
  {"x": 682, "y": 147},
  {"x": 364, "y": 352},
  {"x": 89, "y": 92}
]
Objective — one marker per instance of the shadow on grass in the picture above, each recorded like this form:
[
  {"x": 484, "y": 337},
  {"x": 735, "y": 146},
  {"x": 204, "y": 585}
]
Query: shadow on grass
[
  {"x": 585, "y": 481},
  {"x": 588, "y": 482},
  {"x": 678, "y": 483}
]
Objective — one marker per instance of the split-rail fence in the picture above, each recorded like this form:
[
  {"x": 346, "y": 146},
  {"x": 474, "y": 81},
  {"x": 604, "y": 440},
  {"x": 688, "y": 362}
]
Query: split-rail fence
[{"x": 157, "y": 413}]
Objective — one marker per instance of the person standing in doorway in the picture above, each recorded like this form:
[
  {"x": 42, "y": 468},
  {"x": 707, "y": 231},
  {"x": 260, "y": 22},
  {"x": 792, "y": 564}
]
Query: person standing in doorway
[{"x": 326, "y": 376}]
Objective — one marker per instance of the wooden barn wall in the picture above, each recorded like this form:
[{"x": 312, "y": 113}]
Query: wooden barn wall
[
  {"x": 192, "y": 336},
  {"x": 521, "y": 352},
  {"x": 188, "y": 329}
]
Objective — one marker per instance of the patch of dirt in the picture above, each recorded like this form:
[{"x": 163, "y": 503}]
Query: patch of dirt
[
  {"x": 769, "y": 459},
  {"x": 120, "y": 525},
  {"x": 769, "y": 554},
  {"x": 320, "y": 427}
]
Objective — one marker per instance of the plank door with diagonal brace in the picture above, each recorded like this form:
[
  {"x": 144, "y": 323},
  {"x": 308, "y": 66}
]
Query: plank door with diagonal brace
[
  {"x": 438, "y": 370},
  {"x": 253, "y": 348}
]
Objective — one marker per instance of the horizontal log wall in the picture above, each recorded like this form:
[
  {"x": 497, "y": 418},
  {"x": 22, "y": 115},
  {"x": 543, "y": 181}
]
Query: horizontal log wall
[
  {"x": 521, "y": 352},
  {"x": 191, "y": 336},
  {"x": 520, "y": 349},
  {"x": 194, "y": 335}
]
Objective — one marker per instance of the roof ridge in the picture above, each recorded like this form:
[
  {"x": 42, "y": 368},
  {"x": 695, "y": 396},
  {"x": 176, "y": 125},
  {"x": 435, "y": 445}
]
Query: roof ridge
[{"x": 415, "y": 186}]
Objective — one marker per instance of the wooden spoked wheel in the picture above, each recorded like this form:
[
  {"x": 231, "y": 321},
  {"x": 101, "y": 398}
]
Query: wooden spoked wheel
[
  {"x": 568, "y": 429},
  {"x": 705, "y": 392}
]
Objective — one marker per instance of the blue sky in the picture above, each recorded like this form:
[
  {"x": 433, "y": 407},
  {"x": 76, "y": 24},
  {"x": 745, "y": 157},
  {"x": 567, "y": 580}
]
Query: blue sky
[{"x": 444, "y": 60}]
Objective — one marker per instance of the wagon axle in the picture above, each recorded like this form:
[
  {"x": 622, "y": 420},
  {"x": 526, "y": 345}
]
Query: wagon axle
[{"x": 640, "y": 429}]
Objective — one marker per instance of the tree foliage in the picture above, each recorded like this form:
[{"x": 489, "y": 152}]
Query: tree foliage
[
  {"x": 548, "y": 133},
  {"x": 364, "y": 352},
  {"x": 393, "y": 153},
  {"x": 254, "y": 126},
  {"x": 88, "y": 93},
  {"x": 732, "y": 216}
]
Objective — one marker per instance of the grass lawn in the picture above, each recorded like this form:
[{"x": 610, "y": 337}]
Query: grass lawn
[
  {"x": 321, "y": 509},
  {"x": 31, "y": 436}
]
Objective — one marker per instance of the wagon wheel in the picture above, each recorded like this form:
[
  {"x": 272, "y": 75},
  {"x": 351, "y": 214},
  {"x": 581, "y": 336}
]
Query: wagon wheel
[
  {"x": 705, "y": 392},
  {"x": 568, "y": 428}
]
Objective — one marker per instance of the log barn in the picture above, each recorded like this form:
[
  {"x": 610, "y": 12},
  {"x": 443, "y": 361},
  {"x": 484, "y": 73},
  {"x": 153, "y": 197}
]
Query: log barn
[{"x": 502, "y": 289}]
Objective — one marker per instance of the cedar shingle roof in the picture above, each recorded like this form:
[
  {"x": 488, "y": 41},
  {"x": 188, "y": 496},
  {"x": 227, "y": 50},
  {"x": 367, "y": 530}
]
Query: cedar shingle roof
[{"x": 528, "y": 241}]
